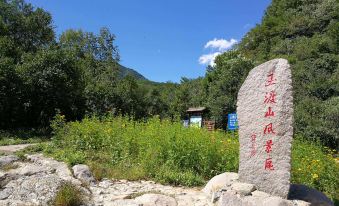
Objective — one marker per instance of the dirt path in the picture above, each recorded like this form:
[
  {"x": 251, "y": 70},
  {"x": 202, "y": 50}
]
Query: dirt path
[{"x": 9, "y": 149}]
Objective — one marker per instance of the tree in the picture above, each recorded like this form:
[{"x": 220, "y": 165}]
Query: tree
[
  {"x": 224, "y": 82},
  {"x": 26, "y": 27},
  {"x": 23, "y": 29},
  {"x": 98, "y": 57},
  {"x": 305, "y": 33},
  {"x": 11, "y": 97},
  {"x": 52, "y": 80}
]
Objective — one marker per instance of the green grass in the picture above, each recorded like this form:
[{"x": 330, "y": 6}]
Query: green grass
[
  {"x": 168, "y": 153},
  {"x": 68, "y": 195},
  {"x": 22, "y": 136},
  {"x": 314, "y": 165}
]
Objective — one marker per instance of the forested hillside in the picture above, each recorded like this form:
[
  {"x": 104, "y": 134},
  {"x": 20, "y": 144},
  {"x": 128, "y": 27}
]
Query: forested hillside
[
  {"x": 79, "y": 73},
  {"x": 125, "y": 71},
  {"x": 76, "y": 75},
  {"x": 302, "y": 31},
  {"x": 307, "y": 34}
]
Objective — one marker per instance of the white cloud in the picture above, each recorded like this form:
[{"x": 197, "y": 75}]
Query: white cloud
[
  {"x": 220, "y": 44},
  {"x": 208, "y": 58}
]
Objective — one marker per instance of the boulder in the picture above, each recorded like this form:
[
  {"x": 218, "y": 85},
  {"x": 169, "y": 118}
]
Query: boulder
[
  {"x": 243, "y": 188},
  {"x": 265, "y": 118},
  {"x": 156, "y": 200},
  {"x": 60, "y": 168},
  {"x": 258, "y": 193},
  {"x": 5, "y": 160},
  {"x": 219, "y": 181},
  {"x": 276, "y": 201},
  {"x": 230, "y": 199},
  {"x": 83, "y": 173},
  {"x": 37, "y": 189},
  {"x": 305, "y": 193}
]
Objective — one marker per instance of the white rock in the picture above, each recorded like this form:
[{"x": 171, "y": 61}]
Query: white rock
[
  {"x": 105, "y": 183},
  {"x": 5, "y": 160},
  {"x": 257, "y": 201},
  {"x": 32, "y": 169},
  {"x": 219, "y": 181},
  {"x": 258, "y": 193},
  {"x": 300, "y": 203},
  {"x": 243, "y": 188},
  {"x": 41, "y": 188},
  {"x": 156, "y": 200},
  {"x": 60, "y": 168},
  {"x": 123, "y": 203},
  {"x": 15, "y": 203},
  {"x": 229, "y": 199},
  {"x": 5, "y": 193},
  {"x": 83, "y": 173},
  {"x": 215, "y": 196},
  {"x": 276, "y": 201}
]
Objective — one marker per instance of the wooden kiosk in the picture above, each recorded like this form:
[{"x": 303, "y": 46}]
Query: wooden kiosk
[{"x": 197, "y": 117}]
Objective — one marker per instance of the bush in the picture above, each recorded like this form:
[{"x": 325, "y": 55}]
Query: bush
[
  {"x": 314, "y": 165},
  {"x": 69, "y": 195},
  {"x": 141, "y": 148},
  {"x": 165, "y": 151}
]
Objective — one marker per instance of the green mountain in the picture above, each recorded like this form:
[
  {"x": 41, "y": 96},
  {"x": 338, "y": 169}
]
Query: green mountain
[{"x": 124, "y": 71}]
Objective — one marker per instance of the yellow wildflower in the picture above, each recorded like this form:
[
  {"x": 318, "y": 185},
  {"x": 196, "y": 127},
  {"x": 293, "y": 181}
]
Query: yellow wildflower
[{"x": 315, "y": 176}]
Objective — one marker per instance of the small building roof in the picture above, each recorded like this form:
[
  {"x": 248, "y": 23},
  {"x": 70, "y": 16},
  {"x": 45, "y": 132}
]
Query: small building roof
[{"x": 196, "y": 109}]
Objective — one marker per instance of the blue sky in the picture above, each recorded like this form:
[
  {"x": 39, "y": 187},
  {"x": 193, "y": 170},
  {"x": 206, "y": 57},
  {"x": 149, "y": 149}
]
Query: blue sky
[{"x": 162, "y": 40}]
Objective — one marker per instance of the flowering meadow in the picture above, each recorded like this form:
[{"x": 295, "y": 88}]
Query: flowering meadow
[{"x": 167, "y": 152}]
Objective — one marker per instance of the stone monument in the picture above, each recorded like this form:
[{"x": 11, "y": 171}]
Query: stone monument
[{"x": 265, "y": 116}]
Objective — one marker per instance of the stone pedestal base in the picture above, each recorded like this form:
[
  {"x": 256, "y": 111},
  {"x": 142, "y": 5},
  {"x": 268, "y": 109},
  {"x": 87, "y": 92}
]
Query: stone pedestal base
[{"x": 226, "y": 190}]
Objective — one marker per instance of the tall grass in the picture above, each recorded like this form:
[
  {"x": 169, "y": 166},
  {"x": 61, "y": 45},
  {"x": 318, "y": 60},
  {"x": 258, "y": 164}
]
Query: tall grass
[
  {"x": 314, "y": 165},
  {"x": 158, "y": 149},
  {"x": 167, "y": 152}
]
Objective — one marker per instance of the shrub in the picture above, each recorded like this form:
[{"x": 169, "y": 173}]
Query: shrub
[
  {"x": 68, "y": 195},
  {"x": 314, "y": 165},
  {"x": 165, "y": 151},
  {"x": 141, "y": 148}
]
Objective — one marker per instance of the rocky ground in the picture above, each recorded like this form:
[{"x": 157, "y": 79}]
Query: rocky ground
[{"x": 37, "y": 179}]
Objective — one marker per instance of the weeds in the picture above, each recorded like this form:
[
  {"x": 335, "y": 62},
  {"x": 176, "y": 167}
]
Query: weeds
[
  {"x": 69, "y": 195},
  {"x": 314, "y": 165},
  {"x": 167, "y": 152}
]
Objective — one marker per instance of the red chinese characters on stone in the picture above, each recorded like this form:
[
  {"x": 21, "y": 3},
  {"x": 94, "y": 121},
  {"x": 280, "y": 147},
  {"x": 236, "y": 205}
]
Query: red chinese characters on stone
[
  {"x": 269, "y": 164},
  {"x": 270, "y": 79},
  {"x": 268, "y": 146},
  {"x": 270, "y": 98},
  {"x": 269, "y": 113},
  {"x": 269, "y": 129}
]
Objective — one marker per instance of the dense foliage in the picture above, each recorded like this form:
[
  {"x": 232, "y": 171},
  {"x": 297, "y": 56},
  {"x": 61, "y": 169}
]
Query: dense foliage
[
  {"x": 79, "y": 73},
  {"x": 307, "y": 34},
  {"x": 304, "y": 32},
  {"x": 167, "y": 152},
  {"x": 158, "y": 149}
]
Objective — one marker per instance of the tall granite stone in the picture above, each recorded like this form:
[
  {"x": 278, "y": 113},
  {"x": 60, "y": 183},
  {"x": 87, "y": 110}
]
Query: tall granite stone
[{"x": 265, "y": 116}]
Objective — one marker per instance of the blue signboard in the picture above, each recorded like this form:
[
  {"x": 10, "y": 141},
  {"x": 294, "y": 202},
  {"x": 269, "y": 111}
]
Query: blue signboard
[{"x": 232, "y": 122}]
